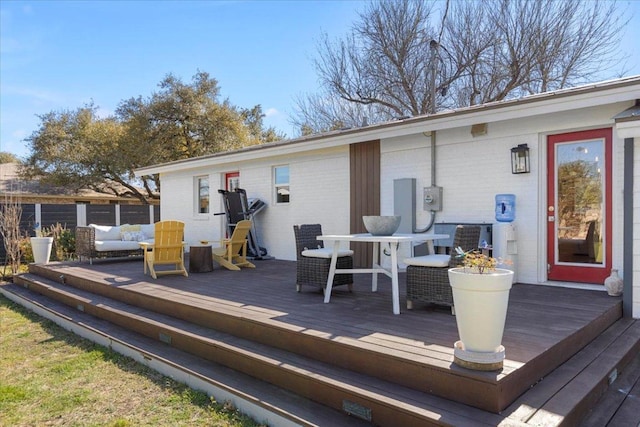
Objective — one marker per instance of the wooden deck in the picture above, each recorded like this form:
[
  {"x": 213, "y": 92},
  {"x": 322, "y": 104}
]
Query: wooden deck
[{"x": 352, "y": 354}]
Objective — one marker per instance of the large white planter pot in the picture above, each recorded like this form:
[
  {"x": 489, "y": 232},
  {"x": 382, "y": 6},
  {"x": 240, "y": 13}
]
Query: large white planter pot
[
  {"x": 481, "y": 302},
  {"x": 41, "y": 247}
]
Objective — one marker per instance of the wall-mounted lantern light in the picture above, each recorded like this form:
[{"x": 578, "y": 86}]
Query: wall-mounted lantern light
[{"x": 520, "y": 159}]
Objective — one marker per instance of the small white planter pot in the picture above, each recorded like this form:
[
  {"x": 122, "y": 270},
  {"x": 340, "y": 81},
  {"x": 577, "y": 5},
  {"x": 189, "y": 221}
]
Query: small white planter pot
[
  {"x": 41, "y": 247},
  {"x": 614, "y": 284},
  {"x": 481, "y": 302}
]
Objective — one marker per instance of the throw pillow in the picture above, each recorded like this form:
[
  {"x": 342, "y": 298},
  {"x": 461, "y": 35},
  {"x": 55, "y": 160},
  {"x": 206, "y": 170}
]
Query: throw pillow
[
  {"x": 133, "y": 236},
  {"x": 106, "y": 232},
  {"x": 128, "y": 228}
]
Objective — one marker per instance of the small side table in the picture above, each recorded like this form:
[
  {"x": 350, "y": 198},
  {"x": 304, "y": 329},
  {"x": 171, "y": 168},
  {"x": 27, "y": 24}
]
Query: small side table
[{"x": 200, "y": 259}]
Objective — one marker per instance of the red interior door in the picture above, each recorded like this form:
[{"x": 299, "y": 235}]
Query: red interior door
[{"x": 579, "y": 206}]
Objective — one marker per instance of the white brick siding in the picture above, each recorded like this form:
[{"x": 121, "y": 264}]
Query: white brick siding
[{"x": 471, "y": 171}]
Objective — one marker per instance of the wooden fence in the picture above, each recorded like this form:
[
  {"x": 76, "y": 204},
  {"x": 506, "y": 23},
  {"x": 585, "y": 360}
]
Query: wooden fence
[{"x": 72, "y": 215}]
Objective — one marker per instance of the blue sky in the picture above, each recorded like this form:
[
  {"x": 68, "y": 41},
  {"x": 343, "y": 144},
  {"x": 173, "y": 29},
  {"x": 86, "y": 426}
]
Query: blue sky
[{"x": 58, "y": 55}]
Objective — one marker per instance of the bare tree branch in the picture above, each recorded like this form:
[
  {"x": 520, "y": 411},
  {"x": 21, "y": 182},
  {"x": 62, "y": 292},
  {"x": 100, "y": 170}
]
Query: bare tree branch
[{"x": 488, "y": 51}]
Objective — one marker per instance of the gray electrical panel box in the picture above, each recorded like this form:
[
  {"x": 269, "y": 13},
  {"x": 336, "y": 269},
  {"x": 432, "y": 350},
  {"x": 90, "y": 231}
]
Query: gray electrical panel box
[
  {"x": 432, "y": 198},
  {"x": 404, "y": 203}
]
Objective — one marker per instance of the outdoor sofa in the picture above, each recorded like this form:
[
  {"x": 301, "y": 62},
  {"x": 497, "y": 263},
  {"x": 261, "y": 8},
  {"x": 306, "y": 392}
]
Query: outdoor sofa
[{"x": 102, "y": 241}]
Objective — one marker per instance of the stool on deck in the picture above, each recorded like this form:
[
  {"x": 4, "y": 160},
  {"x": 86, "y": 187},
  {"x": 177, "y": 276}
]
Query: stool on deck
[{"x": 200, "y": 259}]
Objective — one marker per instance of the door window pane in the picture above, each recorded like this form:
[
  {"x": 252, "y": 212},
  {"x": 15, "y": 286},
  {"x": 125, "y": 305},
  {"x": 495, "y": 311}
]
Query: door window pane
[{"x": 580, "y": 198}]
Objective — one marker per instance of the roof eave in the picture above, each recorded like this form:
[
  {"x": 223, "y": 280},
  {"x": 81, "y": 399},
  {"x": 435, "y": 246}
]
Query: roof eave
[{"x": 609, "y": 91}]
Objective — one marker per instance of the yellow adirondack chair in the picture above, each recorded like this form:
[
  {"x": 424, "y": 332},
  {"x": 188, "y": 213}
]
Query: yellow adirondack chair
[
  {"x": 233, "y": 252},
  {"x": 167, "y": 248}
]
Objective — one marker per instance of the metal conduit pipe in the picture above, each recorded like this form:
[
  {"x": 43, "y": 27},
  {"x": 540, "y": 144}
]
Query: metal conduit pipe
[
  {"x": 433, "y": 47},
  {"x": 433, "y": 182}
]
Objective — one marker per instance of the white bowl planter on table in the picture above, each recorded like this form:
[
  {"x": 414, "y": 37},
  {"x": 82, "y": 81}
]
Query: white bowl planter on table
[
  {"x": 381, "y": 225},
  {"x": 41, "y": 247},
  {"x": 481, "y": 302}
]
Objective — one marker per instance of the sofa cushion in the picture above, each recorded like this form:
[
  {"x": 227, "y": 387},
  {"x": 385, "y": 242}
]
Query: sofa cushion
[
  {"x": 116, "y": 245},
  {"x": 106, "y": 232},
  {"x": 133, "y": 236},
  {"x": 437, "y": 260},
  {"x": 128, "y": 228},
  {"x": 325, "y": 252},
  {"x": 149, "y": 230}
]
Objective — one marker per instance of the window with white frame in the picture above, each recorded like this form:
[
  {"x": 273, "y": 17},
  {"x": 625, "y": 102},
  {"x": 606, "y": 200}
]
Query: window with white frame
[
  {"x": 202, "y": 186},
  {"x": 281, "y": 183}
]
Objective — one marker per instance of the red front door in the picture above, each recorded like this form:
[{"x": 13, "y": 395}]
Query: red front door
[{"x": 579, "y": 206}]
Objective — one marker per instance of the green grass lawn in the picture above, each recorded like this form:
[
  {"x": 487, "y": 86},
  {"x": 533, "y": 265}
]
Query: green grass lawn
[{"x": 49, "y": 376}]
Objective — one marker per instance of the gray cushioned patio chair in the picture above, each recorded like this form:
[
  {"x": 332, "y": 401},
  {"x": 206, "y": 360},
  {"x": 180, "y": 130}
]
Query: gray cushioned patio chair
[
  {"x": 314, "y": 260},
  {"x": 428, "y": 277}
]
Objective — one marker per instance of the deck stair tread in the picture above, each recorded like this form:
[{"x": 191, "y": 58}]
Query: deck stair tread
[
  {"x": 387, "y": 347},
  {"x": 620, "y": 404},
  {"x": 566, "y": 394},
  {"x": 251, "y": 355},
  {"x": 562, "y": 397},
  {"x": 298, "y": 409},
  {"x": 240, "y": 300},
  {"x": 394, "y": 345}
]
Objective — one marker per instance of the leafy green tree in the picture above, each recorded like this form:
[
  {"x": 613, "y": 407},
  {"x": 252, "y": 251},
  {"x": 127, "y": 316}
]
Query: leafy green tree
[
  {"x": 253, "y": 119},
  {"x": 6, "y": 157},
  {"x": 78, "y": 149},
  {"x": 182, "y": 121}
]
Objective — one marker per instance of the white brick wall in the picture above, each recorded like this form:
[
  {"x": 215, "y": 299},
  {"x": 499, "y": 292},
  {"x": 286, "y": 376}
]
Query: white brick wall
[
  {"x": 319, "y": 184},
  {"x": 178, "y": 202},
  {"x": 471, "y": 170}
]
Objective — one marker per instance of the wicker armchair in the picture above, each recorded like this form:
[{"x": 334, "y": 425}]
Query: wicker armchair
[
  {"x": 313, "y": 268},
  {"x": 428, "y": 277}
]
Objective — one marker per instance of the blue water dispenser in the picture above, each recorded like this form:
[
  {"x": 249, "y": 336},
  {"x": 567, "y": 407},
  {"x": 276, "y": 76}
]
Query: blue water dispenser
[{"x": 505, "y": 207}]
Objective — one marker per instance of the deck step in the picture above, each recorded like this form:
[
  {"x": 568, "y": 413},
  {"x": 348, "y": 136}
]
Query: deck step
[
  {"x": 620, "y": 404},
  {"x": 425, "y": 369},
  {"x": 372, "y": 399},
  {"x": 565, "y": 396},
  {"x": 264, "y": 402},
  {"x": 562, "y": 397}
]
